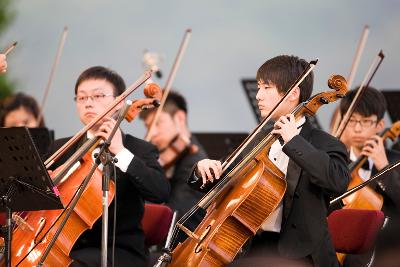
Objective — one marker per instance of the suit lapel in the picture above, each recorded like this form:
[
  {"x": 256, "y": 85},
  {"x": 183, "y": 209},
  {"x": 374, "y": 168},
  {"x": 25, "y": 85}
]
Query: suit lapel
[{"x": 294, "y": 172}]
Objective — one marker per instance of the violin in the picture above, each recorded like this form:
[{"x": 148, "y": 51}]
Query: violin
[
  {"x": 243, "y": 199},
  {"x": 178, "y": 147},
  {"x": 31, "y": 244}
]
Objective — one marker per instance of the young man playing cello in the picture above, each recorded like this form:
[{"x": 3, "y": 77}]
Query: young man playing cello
[
  {"x": 315, "y": 164},
  {"x": 362, "y": 136},
  {"x": 139, "y": 175}
]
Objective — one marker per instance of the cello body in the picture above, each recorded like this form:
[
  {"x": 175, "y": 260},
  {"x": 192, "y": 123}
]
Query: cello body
[
  {"x": 364, "y": 199},
  {"x": 232, "y": 219},
  {"x": 28, "y": 246}
]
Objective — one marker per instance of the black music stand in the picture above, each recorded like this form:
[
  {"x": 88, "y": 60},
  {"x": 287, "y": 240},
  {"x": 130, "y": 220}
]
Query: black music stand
[
  {"x": 24, "y": 182},
  {"x": 43, "y": 138}
]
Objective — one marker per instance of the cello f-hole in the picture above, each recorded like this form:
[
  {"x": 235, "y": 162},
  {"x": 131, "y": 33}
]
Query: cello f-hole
[{"x": 42, "y": 223}]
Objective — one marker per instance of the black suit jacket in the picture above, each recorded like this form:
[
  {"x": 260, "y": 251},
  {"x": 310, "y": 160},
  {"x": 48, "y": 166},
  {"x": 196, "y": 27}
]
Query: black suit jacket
[
  {"x": 389, "y": 187},
  {"x": 183, "y": 197},
  {"x": 143, "y": 180},
  {"x": 317, "y": 168}
]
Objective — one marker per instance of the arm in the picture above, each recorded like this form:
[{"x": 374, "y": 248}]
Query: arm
[
  {"x": 327, "y": 164},
  {"x": 145, "y": 172}
]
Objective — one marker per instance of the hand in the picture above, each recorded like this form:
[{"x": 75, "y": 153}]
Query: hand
[
  {"x": 3, "y": 63},
  {"x": 286, "y": 127},
  {"x": 104, "y": 132},
  {"x": 375, "y": 149},
  {"x": 208, "y": 170}
]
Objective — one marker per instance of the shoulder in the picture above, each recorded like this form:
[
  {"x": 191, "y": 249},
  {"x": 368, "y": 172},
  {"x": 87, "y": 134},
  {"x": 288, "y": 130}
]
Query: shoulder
[
  {"x": 136, "y": 144},
  {"x": 326, "y": 141},
  {"x": 393, "y": 155}
]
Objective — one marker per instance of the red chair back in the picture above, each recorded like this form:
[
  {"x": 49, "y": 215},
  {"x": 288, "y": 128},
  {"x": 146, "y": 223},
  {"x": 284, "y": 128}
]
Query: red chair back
[
  {"x": 354, "y": 231},
  {"x": 155, "y": 223}
]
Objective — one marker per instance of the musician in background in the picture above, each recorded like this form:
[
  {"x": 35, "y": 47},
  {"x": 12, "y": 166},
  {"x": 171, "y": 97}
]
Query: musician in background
[
  {"x": 139, "y": 175},
  {"x": 20, "y": 110},
  {"x": 314, "y": 164},
  {"x": 362, "y": 134},
  {"x": 179, "y": 150},
  {"x": 3, "y": 63}
]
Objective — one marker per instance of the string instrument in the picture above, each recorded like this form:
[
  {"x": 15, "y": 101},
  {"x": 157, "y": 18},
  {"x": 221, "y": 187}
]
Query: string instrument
[
  {"x": 244, "y": 198},
  {"x": 29, "y": 245},
  {"x": 367, "y": 198},
  {"x": 179, "y": 147}
]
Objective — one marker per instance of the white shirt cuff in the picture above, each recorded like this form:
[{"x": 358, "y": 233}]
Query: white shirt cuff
[{"x": 124, "y": 158}]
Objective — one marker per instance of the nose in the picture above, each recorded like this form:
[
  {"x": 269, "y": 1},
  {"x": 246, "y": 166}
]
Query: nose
[
  {"x": 259, "y": 95},
  {"x": 357, "y": 127}
]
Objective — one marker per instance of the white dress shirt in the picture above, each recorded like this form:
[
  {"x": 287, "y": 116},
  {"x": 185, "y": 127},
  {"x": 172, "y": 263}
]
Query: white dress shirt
[{"x": 281, "y": 160}]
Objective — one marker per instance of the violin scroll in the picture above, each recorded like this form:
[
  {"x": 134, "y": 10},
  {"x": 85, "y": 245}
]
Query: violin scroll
[
  {"x": 338, "y": 83},
  {"x": 335, "y": 82},
  {"x": 153, "y": 90},
  {"x": 153, "y": 93}
]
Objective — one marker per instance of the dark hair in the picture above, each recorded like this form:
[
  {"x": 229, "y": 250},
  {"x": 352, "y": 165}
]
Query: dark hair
[
  {"x": 102, "y": 73},
  {"x": 371, "y": 102},
  {"x": 17, "y": 101},
  {"x": 282, "y": 71},
  {"x": 174, "y": 102}
]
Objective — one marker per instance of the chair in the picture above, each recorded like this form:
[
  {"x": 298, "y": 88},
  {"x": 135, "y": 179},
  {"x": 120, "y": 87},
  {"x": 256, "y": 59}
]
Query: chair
[
  {"x": 156, "y": 222},
  {"x": 354, "y": 231}
]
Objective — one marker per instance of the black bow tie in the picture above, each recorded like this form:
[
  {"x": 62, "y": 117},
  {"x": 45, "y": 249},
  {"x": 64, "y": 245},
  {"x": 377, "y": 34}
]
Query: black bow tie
[{"x": 365, "y": 166}]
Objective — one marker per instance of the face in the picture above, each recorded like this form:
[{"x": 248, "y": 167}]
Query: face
[
  {"x": 268, "y": 96},
  {"x": 20, "y": 117},
  {"x": 165, "y": 129},
  {"x": 361, "y": 128},
  {"x": 92, "y": 98}
]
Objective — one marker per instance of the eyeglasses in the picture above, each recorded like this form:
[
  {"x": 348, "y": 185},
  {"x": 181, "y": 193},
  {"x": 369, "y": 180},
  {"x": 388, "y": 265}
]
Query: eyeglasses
[
  {"x": 364, "y": 123},
  {"x": 95, "y": 98}
]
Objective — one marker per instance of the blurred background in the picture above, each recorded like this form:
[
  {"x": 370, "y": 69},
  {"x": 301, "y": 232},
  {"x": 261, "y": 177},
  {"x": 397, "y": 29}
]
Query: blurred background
[{"x": 230, "y": 40}]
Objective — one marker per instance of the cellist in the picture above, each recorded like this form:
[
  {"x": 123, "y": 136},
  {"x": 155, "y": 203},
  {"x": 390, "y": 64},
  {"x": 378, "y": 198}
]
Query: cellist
[
  {"x": 139, "y": 175},
  {"x": 315, "y": 165},
  {"x": 362, "y": 136}
]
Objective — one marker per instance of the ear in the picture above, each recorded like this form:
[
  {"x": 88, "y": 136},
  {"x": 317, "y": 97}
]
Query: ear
[
  {"x": 180, "y": 117},
  {"x": 380, "y": 126},
  {"x": 295, "y": 95}
]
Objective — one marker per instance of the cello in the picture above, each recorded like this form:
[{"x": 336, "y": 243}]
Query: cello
[
  {"x": 242, "y": 200},
  {"x": 367, "y": 198},
  {"x": 45, "y": 244}
]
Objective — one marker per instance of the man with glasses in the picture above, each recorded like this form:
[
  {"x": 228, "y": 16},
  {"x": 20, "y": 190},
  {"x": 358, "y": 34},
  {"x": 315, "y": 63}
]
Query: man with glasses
[
  {"x": 361, "y": 137},
  {"x": 139, "y": 175}
]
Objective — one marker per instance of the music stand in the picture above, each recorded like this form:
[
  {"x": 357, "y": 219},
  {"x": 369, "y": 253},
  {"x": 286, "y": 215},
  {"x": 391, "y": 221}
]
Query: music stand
[
  {"x": 24, "y": 182},
  {"x": 43, "y": 138}
]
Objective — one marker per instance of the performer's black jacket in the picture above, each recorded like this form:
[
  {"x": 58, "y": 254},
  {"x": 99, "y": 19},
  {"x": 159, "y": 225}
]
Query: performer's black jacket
[{"x": 317, "y": 169}]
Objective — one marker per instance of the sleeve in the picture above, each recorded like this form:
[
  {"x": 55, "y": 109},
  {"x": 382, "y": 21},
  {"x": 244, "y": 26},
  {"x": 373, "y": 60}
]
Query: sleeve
[
  {"x": 327, "y": 164},
  {"x": 390, "y": 181},
  {"x": 145, "y": 172}
]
